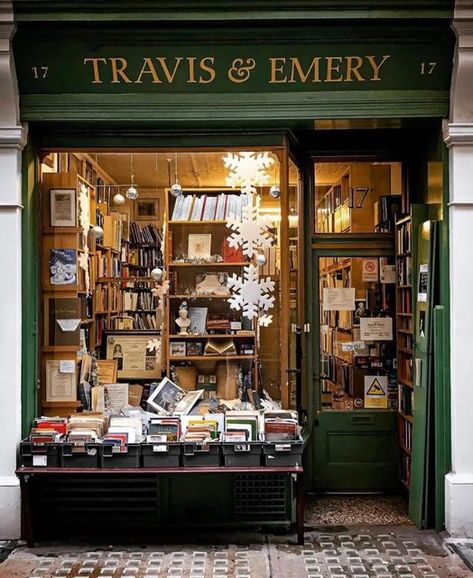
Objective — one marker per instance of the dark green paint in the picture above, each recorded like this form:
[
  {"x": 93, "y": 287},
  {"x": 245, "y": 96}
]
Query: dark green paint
[
  {"x": 30, "y": 290},
  {"x": 233, "y": 10}
]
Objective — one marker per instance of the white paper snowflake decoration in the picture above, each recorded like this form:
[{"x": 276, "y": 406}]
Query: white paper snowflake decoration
[
  {"x": 250, "y": 294},
  {"x": 265, "y": 320},
  {"x": 84, "y": 220},
  {"x": 251, "y": 231},
  {"x": 247, "y": 170}
]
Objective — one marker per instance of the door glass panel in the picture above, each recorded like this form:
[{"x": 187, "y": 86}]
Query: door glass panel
[
  {"x": 357, "y": 197},
  {"x": 357, "y": 347}
]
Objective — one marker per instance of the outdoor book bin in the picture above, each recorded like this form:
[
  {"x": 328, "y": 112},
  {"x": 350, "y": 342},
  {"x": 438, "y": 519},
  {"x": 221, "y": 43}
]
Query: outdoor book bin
[
  {"x": 161, "y": 454},
  {"x": 238, "y": 454},
  {"x": 80, "y": 456},
  {"x": 283, "y": 454},
  {"x": 201, "y": 455},
  {"x": 111, "y": 458},
  {"x": 39, "y": 455}
]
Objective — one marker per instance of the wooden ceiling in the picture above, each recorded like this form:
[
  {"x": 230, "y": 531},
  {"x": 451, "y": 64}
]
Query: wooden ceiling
[{"x": 194, "y": 169}]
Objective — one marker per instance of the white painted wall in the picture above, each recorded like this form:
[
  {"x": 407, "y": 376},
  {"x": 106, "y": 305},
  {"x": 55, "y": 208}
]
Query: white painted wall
[
  {"x": 12, "y": 138},
  {"x": 458, "y": 134}
]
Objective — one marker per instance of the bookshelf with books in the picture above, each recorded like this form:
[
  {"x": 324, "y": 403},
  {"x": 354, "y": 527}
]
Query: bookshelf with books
[
  {"x": 405, "y": 341},
  {"x": 220, "y": 343}
]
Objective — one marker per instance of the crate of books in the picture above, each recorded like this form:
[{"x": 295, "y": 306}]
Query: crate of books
[
  {"x": 121, "y": 445},
  {"x": 82, "y": 444},
  {"x": 162, "y": 448},
  {"x": 80, "y": 454},
  {"x": 283, "y": 446},
  {"x": 241, "y": 446},
  {"x": 42, "y": 447},
  {"x": 201, "y": 440}
]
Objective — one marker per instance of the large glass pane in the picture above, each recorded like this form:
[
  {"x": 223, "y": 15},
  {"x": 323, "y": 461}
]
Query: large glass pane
[
  {"x": 357, "y": 347},
  {"x": 357, "y": 197}
]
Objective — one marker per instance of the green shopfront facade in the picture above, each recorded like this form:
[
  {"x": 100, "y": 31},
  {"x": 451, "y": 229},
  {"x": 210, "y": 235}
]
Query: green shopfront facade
[{"x": 349, "y": 81}]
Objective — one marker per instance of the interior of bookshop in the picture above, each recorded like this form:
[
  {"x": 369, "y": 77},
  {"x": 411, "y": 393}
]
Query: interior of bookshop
[
  {"x": 170, "y": 282},
  {"x": 162, "y": 324}
]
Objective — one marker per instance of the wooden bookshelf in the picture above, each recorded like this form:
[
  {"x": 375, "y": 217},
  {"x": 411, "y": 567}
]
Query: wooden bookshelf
[{"x": 405, "y": 342}]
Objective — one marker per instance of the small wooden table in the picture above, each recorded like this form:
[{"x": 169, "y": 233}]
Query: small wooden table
[{"x": 26, "y": 475}]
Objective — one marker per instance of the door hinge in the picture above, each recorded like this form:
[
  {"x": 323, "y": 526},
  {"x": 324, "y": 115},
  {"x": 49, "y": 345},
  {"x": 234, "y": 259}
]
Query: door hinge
[{"x": 306, "y": 327}]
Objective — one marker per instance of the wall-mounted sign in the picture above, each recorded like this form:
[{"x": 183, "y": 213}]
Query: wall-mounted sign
[
  {"x": 376, "y": 392},
  {"x": 338, "y": 299},
  {"x": 369, "y": 270}
]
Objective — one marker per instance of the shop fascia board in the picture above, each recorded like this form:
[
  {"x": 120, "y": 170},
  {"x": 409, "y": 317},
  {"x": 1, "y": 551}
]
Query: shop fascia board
[
  {"x": 170, "y": 109},
  {"x": 229, "y": 10}
]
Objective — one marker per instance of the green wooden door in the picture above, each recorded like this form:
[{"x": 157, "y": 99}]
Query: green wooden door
[{"x": 355, "y": 448}]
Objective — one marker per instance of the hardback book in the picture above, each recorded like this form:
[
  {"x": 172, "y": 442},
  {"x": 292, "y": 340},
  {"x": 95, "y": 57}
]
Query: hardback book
[{"x": 217, "y": 347}]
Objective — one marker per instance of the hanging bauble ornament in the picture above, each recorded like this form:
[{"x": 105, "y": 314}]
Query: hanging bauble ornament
[
  {"x": 118, "y": 199},
  {"x": 96, "y": 231},
  {"x": 275, "y": 192},
  {"x": 132, "y": 193},
  {"x": 176, "y": 190},
  {"x": 261, "y": 259},
  {"x": 157, "y": 274}
]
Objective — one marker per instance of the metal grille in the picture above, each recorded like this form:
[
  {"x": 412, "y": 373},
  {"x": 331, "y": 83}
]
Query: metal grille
[{"x": 262, "y": 497}]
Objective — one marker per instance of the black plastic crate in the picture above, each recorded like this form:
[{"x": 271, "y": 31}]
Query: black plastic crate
[
  {"x": 111, "y": 458},
  {"x": 241, "y": 454},
  {"x": 39, "y": 455},
  {"x": 283, "y": 453},
  {"x": 201, "y": 455},
  {"x": 80, "y": 456},
  {"x": 161, "y": 454}
]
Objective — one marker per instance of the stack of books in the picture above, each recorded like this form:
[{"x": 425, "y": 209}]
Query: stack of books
[
  {"x": 242, "y": 426},
  {"x": 281, "y": 426},
  {"x": 169, "y": 427},
  {"x": 48, "y": 430}
]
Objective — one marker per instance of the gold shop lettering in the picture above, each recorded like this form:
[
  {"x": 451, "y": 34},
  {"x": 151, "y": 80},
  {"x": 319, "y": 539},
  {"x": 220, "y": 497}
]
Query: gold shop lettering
[{"x": 203, "y": 70}]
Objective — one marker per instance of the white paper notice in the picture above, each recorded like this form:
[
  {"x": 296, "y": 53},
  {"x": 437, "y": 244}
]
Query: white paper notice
[
  {"x": 353, "y": 345},
  {"x": 68, "y": 324},
  {"x": 339, "y": 299},
  {"x": 376, "y": 328},
  {"x": 67, "y": 366},
  {"x": 369, "y": 270},
  {"x": 388, "y": 274}
]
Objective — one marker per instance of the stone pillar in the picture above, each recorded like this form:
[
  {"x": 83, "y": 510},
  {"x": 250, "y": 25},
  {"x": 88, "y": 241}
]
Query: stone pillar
[
  {"x": 12, "y": 140},
  {"x": 458, "y": 134}
]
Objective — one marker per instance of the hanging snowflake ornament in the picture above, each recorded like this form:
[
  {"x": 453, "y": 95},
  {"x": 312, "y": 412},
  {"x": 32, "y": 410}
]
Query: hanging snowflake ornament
[
  {"x": 250, "y": 294},
  {"x": 265, "y": 320},
  {"x": 247, "y": 170},
  {"x": 251, "y": 231}
]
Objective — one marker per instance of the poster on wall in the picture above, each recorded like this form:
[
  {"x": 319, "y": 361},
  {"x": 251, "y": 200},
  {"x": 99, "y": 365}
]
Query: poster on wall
[
  {"x": 338, "y": 299},
  {"x": 422, "y": 286},
  {"x": 63, "y": 266},
  {"x": 134, "y": 355},
  {"x": 369, "y": 270},
  {"x": 376, "y": 328}
]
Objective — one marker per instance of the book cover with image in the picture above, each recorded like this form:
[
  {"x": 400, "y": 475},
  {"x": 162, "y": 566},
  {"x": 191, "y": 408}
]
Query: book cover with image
[{"x": 63, "y": 266}]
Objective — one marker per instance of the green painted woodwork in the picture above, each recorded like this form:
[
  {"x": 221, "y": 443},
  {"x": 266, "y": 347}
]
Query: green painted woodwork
[
  {"x": 422, "y": 244},
  {"x": 234, "y": 10},
  {"x": 356, "y": 451},
  {"x": 30, "y": 290},
  {"x": 196, "y": 76}
]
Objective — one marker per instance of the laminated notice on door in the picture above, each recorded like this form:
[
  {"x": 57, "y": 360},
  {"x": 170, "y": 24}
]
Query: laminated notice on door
[
  {"x": 376, "y": 392},
  {"x": 376, "y": 328},
  {"x": 338, "y": 299}
]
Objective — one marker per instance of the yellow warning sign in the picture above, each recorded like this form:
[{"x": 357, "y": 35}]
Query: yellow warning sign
[
  {"x": 376, "y": 392},
  {"x": 375, "y": 389}
]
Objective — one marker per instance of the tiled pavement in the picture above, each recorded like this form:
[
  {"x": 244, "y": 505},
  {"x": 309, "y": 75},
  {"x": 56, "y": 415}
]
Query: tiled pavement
[{"x": 356, "y": 552}]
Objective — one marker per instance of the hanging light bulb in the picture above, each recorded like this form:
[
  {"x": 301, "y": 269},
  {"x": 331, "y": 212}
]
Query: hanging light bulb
[
  {"x": 157, "y": 274},
  {"x": 118, "y": 199},
  {"x": 132, "y": 193},
  {"x": 96, "y": 231},
  {"x": 176, "y": 188}
]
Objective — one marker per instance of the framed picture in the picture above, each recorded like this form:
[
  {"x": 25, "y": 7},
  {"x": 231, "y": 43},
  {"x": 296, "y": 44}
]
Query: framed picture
[
  {"x": 361, "y": 310},
  {"x": 199, "y": 246},
  {"x": 61, "y": 380},
  {"x": 135, "y": 354},
  {"x": 194, "y": 349},
  {"x": 63, "y": 266},
  {"x": 165, "y": 397},
  {"x": 147, "y": 210},
  {"x": 63, "y": 207},
  {"x": 177, "y": 348},
  {"x": 212, "y": 284}
]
